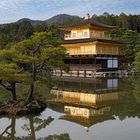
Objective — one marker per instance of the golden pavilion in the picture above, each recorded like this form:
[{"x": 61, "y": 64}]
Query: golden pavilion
[{"x": 90, "y": 49}]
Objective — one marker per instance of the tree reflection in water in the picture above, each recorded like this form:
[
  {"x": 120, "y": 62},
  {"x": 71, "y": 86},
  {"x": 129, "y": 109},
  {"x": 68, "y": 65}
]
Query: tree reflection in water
[
  {"x": 9, "y": 135},
  {"x": 130, "y": 94},
  {"x": 57, "y": 137},
  {"x": 35, "y": 124}
]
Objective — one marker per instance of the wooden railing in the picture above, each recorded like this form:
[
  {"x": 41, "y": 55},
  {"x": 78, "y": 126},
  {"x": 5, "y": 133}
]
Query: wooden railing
[
  {"x": 85, "y": 67},
  {"x": 103, "y": 36}
]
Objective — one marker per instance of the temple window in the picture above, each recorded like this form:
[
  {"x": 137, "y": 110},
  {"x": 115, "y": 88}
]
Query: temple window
[
  {"x": 79, "y": 33},
  {"x": 85, "y": 34},
  {"x": 73, "y": 34}
]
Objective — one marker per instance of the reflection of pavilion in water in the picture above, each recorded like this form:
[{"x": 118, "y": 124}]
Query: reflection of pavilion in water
[{"x": 87, "y": 106}]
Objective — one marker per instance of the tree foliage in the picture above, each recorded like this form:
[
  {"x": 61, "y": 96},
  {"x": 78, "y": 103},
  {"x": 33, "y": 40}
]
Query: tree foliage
[
  {"x": 131, "y": 22},
  {"x": 137, "y": 62},
  {"x": 31, "y": 61},
  {"x": 11, "y": 72},
  {"x": 25, "y": 30},
  {"x": 132, "y": 40}
]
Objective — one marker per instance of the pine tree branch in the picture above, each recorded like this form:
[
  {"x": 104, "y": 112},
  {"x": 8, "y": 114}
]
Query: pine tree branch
[{"x": 5, "y": 86}]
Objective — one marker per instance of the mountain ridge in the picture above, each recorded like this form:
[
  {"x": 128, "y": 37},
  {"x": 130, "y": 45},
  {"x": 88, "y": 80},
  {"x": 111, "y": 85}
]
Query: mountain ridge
[{"x": 60, "y": 18}]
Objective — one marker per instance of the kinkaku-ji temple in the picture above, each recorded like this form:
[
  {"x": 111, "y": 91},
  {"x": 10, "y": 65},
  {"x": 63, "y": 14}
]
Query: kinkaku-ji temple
[{"x": 90, "y": 49}]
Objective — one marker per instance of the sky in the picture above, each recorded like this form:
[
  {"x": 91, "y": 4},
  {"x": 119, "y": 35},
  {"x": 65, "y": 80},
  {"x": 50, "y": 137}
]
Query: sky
[{"x": 13, "y": 10}]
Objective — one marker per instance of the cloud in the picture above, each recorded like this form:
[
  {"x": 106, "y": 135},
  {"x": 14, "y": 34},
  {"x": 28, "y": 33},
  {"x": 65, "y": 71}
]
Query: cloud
[{"x": 12, "y": 10}]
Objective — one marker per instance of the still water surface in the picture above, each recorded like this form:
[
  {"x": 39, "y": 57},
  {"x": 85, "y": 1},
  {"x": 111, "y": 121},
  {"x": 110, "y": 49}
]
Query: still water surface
[{"x": 100, "y": 109}]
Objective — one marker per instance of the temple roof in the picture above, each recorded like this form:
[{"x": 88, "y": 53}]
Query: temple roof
[
  {"x": 86, "y": 40},
  {"x": 87, "y": 122},
  {"x": 89, "y": 22}
]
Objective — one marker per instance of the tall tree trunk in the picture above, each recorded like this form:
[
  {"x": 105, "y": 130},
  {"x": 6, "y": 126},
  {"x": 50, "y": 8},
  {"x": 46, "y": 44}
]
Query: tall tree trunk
[
  {"x": 13, "y": 91},
  {"x": 30, "y": 95},
  {"x": 10, "y": 87}
]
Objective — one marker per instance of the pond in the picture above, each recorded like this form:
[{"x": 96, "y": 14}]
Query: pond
[{"x": 85, "y": 109}]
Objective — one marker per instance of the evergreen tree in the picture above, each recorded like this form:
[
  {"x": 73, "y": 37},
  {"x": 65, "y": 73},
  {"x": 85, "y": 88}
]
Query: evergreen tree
[
  {"x": 45, "y": 52},
  {"x": 25, "y": 30},
  {"x": 137, "y": 62}
]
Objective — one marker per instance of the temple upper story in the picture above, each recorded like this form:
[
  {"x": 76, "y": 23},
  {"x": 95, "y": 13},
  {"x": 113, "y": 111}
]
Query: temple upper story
[
  {"x": 86, "y": 33},
  {"x": 87, "y": 29}
]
